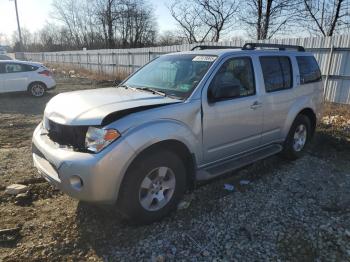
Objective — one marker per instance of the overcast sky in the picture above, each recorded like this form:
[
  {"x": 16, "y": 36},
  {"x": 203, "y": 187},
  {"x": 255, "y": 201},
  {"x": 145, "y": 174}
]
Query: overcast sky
[{"x": 34, "y": 14}]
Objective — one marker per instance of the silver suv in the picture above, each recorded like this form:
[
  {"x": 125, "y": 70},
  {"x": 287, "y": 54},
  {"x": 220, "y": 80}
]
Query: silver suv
[{"x": 182, "y": 118}]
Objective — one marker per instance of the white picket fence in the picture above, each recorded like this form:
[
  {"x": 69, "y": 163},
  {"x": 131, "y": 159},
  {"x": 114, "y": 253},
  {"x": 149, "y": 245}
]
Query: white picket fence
[{"x": 332, "y": 53}]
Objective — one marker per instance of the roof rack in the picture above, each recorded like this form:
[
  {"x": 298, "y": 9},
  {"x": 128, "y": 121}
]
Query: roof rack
[
  {"x": 203, "y": 47},
  {"x": 252, "y": 46}
]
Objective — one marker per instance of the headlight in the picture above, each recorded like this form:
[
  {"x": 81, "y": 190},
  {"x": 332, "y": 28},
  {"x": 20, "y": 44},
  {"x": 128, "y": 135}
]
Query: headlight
[{"x": 97, "y": 138}]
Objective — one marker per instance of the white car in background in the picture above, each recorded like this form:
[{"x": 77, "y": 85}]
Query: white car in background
[{"x": 19, "y": 76}]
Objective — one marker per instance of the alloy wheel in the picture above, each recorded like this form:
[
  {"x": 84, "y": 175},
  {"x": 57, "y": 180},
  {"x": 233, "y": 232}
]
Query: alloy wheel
[
  {"x": 300, "y": 136},
  {"x": 157, "y": 188},
  {"x": 37, "y": 90}
]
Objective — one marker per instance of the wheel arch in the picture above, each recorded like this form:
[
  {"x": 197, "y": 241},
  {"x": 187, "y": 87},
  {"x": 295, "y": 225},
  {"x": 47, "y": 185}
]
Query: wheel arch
[
  {"x": 312, "y": 117},
  {"x": 303, "y": 106},
  {"x": 175, "y": 146}
]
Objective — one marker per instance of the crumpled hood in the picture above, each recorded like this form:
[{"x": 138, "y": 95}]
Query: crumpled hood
[{"x": 89, "y": 107}]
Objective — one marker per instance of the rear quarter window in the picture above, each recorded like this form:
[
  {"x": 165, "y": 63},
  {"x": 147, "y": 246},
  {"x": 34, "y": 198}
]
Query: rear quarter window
[
  {"x": 308, "y": 69},
  {"x": 30, "y": 67}
]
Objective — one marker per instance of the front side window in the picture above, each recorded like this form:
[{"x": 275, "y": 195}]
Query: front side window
[
  {"x": 277, "y": 72},
  {"x": 234, "y": 79},
  {"x": 308, "y": 69},
  {"x": 175, "y": 75}
]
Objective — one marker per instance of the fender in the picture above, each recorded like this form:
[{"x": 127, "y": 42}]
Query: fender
[
  {"x": 145, "y": 135},
  {"x": 300, "y": 104}
]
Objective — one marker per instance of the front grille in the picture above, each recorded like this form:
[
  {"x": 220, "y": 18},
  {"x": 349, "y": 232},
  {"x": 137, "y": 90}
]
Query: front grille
[{"x": 68, "y": 135}]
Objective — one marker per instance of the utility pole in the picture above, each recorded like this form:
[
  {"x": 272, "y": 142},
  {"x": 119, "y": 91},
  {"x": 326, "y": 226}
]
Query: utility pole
[{"x": 19, "y": 28}]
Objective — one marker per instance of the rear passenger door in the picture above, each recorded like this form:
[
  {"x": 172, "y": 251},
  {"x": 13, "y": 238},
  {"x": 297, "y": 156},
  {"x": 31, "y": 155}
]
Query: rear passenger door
[
  {"x": 15, "y": 77},
  {"x": 278, "y": 78},
  {"x": 231, "y": 124}
]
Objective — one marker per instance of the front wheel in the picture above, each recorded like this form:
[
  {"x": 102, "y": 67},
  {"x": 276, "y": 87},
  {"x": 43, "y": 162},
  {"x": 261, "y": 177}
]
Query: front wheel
[
  {"x": 152, "y": 187},
  {"x": 298, "y": 138},
  {"x": 37, "y": 89}
]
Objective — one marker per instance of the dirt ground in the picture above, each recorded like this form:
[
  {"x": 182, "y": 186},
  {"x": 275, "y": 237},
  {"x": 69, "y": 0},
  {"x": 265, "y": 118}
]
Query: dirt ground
[{"x": 297, "y": 211}]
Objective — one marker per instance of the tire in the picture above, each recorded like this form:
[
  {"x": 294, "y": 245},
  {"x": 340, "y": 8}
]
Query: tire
[
  {"x": 298, "y": 138},
  {"x": 138, "y": 200},
  {"x": 37, "y": 89}
]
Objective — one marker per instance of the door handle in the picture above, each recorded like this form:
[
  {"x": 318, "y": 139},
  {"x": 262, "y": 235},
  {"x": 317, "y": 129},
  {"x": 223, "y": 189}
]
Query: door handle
[{"x": 255, "y": 105}]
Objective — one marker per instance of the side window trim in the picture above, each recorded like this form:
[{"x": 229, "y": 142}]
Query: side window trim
[
  {"x": 221, "y": 64},
  {"x": 291, "y": 86}
]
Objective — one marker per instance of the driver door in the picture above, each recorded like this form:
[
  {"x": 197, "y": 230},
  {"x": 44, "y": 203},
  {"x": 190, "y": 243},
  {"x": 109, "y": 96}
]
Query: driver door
[{"x": 233, "y": 119}]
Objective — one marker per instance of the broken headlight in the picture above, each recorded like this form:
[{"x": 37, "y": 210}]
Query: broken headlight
[{"x": 97, "y": 139}]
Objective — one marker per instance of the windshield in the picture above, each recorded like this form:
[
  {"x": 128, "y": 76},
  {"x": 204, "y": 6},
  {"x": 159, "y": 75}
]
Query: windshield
[{"x": 175, "y": 75}]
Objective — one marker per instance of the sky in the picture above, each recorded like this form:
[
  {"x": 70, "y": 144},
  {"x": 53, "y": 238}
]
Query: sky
[{"x": 34, "y": 14}]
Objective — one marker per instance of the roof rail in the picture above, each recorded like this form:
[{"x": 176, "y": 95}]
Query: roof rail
[
  {"x": 203, "y": 47},
  {"x": 252, "y": 46}
]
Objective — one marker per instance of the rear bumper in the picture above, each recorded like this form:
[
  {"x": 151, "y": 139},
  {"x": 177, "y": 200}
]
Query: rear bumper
[
  {"x": 88, "y": 177},
  {"x": 50, "y": 83}
]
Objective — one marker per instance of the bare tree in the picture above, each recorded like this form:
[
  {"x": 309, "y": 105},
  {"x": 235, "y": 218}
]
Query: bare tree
[
  {"x": 189, "y": 22},
  {"x": 171, "y": 38},
  {"x": 325, "y": 17},
  {"x": 27, "y": 39},
  {"x": 203, "y": 20},
  {"x": 78, "y": 20},
  {"x": 266, "y": 18},
  {"x": 135, "y": 23},
  {"x": 217, "y": 15},
  {"x": 106, "y": 15}
]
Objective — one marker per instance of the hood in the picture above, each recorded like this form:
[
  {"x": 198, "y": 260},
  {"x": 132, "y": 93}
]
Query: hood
[{"x": 90, "y": 107}]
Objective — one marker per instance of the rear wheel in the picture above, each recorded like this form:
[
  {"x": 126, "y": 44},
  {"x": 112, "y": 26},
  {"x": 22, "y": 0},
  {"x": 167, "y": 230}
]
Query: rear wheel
[
  {"x": 152, "y": 187},
  {"x": 298, "y": 137},
  {"x": 37, "y": 89}
]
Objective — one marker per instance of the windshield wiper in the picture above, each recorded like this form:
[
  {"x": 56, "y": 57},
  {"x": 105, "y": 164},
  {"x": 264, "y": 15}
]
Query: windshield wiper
[
  {"x": 124, "y": 85},
  {"x": 152, "y": 90}
]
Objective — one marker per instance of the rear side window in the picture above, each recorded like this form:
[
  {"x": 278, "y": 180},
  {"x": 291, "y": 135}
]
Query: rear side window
[
  {"x": 277, "y": 72},
  {"x": 308, "y": 69},
  {"x": 16, "y": 68}
]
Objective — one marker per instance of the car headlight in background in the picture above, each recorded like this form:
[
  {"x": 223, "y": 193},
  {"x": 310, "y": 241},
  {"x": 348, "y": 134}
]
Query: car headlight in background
[{"x": 97, "y": 139}]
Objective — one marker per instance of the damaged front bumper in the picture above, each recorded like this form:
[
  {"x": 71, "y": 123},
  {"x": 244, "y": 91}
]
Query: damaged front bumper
[{"x": 85, "y": 176}]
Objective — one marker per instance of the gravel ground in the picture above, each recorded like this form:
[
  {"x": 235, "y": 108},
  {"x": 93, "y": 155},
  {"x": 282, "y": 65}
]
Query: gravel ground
[{"x": 289, "y": 211}]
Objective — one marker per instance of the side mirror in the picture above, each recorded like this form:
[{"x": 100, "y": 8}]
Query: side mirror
[{"x": 223, "y": 92}]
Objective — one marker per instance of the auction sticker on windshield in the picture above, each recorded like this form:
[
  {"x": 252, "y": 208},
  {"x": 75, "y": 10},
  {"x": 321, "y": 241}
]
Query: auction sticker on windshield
[{"x": 200, "y": 58}]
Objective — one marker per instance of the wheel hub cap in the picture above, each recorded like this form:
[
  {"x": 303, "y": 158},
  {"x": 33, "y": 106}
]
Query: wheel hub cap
[
  {"x": 157, "y": 188},
  {"x": 37, "y": 90}
]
